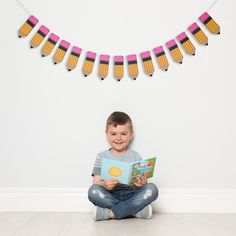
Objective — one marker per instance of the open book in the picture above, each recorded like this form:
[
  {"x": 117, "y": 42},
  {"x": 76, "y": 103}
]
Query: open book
[{"x": 126, "y": 172}]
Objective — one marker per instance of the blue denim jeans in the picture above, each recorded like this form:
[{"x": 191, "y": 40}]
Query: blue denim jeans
[{"x": 123, "y": 200}]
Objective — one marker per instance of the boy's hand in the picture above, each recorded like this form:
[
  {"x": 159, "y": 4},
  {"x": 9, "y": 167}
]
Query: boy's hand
[
  {"x": 139, "y": 182},
  {"x": 109, "y": 184}
]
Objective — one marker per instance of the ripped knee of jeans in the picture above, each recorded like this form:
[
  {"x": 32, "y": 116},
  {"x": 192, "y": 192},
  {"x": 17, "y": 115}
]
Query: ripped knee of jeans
[
  {"x": 152, "y": 191},
  {"x": 147, "y": 194},
  {"x": 98, "y": 192}
]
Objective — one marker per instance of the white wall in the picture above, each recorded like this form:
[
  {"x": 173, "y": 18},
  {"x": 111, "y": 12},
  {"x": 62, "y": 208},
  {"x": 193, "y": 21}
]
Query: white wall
[{"x": 52, "y": 121}]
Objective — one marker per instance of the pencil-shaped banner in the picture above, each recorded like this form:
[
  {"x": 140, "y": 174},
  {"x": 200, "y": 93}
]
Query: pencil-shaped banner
[
  {"x": 89, "y": 63},
  {"x": 132, "y": 66},
  {"x": 103, "y": 66},
  {"x": 161, "y": 58},
  {"x": 61, "y": 51},
  {"x": 39, "y": 36},
  {"x": 147, "y": 63},
  {"x": 175, "y": 51},
  {"x": 27, "y": 27},
  {"x": 118, "y": 67},
  {"x": 198, "y": 34},
  {"x": 49, "y": 44},
  {"x": 186, "y": 43},
  {"x": 73, "y": 58},
  {"x": 210, "y": 23}
]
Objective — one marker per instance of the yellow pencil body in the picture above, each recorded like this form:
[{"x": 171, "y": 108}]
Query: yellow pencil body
[
  {"x": 210, "y": 23},
  {"x": 49, "y": 44},
  {"x": 147, "y": 63},
  {"x": 198, "y": 34},
  {"x": 118, "y": 67},
  {"x": 132, "y": 66},
  {"x": 186, "y": 43},
  {"x": 27, "y": 27},
  {"x": 61, "y": 52},
  {"x": 103, "y": 66},
  {"x": 175, "y": 51},
  {"x": 39, "y": 36},
  {"x": 89, "y": 63},
  {"x": 73, "y": 58}
]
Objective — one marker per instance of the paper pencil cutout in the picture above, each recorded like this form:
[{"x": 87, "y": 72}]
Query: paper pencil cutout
[
  {"x": 89, "y": 63},
  {"x": 73, "y": 58},
  {"x": 27, "y": 27},
  {"x": 186, "y": 43},
  {"x": 39, "y": 36},
  {"x": 103, "y": 66},
  {"x": 118, "y": 67},
  {"x": 49, "y": 45},
  {"x": 175, "y": 51},
  {"x": 198, "y": 34},
  {"x": 161, "y": 58},
  {"x": 147, "y": 63},
  {"x": 61, "y": 52},
  {"x": 132, "y": 66},
  {"x": 210, "y": 23}
]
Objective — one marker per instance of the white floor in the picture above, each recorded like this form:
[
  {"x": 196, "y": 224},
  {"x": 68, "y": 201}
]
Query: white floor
[{"x": 81, "y": 224}]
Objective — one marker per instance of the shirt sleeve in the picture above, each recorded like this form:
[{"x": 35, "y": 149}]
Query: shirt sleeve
[
  {"x": 97, "y": 166},
  {"x": 138, "y": 157}
]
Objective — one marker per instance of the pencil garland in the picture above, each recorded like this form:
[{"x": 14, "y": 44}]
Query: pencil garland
[{"x": 175, "y": 48}]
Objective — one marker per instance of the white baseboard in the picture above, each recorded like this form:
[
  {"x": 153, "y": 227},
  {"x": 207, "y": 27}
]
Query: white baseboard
[{"x": 75, "y": 200}]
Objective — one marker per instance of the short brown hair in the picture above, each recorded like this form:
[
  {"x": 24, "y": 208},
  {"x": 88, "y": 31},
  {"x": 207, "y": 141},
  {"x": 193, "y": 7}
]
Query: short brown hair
[{"x": 119, "y": 118}]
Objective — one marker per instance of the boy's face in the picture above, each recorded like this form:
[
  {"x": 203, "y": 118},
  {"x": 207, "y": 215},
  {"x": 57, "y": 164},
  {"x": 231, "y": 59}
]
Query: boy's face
[{"x": 119, "y": 137}]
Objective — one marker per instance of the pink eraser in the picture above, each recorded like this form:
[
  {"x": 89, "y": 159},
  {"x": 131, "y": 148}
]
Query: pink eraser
[
  {"x": 44, "y": 29},
  {"x": 182, "y": 36},
  {"x": 145, "y": 54},
  {"x": 65, "y": 44},
  {"x": 118, "y": 59},
  {"x": 104, "y": 57},
  {"x": 54, "y": 37},
  {"x": 193, "y": 27},
  {"x": 132, "y": 57},
  {"x": 76, "y": 50},
  {"x": 33, "y": 20},
  {"x": 171, "y": 43},
  {"x": 158, "y": 50},
  {"x": 204, "y": 17},
  {"x": 91, "y": 55}
]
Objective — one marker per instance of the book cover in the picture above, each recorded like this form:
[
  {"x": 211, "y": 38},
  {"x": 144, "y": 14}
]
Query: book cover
[{"x": 126, "y": 172}]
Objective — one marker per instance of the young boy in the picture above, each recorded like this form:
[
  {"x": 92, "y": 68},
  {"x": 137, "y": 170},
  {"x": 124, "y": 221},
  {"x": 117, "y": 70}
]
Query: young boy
[{"x": 112, "y": 199}]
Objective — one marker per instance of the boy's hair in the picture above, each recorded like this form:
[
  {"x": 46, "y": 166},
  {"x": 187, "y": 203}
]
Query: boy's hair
[{"x": 119, "y": 118}]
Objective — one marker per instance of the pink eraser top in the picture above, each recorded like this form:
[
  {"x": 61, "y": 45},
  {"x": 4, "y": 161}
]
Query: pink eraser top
[
  {"x": 157, "y": 50},
  {"x": 104, "y": 57},
  {"x": 145, "y": 54},
  {"x": 132, "y": 57},
  {"x": 65, "y": 44},
  {"x": 171, "y": 43},
  {"x": 118, "y": 59},
  {"x": 91, "y": 55},
  {"x": 33, "y": 19},
  {"x": 203, "y": 17},
  {"x": 44, "y": 29},
  {"x": 54, "y": 37},
  {"x": 76, "y": 49},
  {"x": 193, "y": 27},
  {"x": 182, "y": 36}
]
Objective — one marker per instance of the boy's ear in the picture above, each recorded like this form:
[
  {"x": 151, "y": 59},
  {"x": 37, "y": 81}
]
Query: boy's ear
[{"x": 132, "y": 135}]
